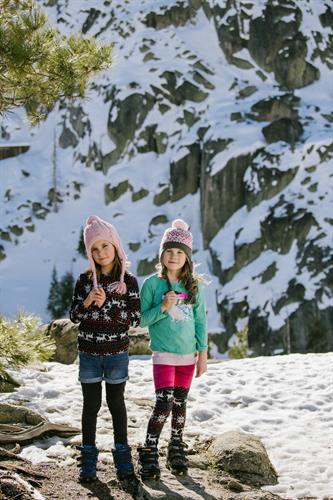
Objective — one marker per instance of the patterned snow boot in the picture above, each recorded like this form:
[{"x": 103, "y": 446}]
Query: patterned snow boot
[
  {"x": 148, "y": 463},
  {"x": 87, "y": 462},
  {"x": 177, "y": 461}
]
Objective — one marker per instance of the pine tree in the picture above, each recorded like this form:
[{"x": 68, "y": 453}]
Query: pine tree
[
  {"x": 66, "y": 292},
  {"x": 81, "y": 249},
  {"x": 54, "y": 299},
  {"x": 38, "y": 65},
  {"x": 53, "y": 192},
  {"x": 60, "y": 294}
]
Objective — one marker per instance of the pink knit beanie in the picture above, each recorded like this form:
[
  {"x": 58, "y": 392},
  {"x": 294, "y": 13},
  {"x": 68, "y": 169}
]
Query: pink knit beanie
[
  {"x": 98, "y": 229},
  {"x": 177, "y": 236}
]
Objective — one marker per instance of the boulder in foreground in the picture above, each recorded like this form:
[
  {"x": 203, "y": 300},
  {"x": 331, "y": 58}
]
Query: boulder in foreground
[{"x": 244, "y": 457}]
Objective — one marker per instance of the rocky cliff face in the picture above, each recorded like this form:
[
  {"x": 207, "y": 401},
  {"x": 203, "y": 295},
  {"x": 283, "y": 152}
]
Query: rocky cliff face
[{"x": 223, "y": 107}]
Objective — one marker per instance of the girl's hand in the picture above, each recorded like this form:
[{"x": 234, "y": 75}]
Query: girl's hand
[
  {"x": 170, "y": 298},
  {"x": 96, "y": 296},
  {"x": 201, "y": 363},
  {"x": 100, "y": 297}
]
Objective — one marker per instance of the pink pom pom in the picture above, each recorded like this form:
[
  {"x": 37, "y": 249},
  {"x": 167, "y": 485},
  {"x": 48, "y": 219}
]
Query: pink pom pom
[
  {"x": 180, "y": 224},
  {"x": 92, "y": 219},
  {"x": 119, "y": 287}
]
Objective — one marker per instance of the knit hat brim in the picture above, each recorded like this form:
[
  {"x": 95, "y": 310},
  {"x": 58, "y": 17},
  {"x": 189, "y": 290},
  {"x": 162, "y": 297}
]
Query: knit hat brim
[{"x": 176, "y": 244}]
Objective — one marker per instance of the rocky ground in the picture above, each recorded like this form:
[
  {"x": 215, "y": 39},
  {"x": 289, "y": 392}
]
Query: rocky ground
[
  {"x": 58, "y": 482},
  {"x": 229, "y": 466}
]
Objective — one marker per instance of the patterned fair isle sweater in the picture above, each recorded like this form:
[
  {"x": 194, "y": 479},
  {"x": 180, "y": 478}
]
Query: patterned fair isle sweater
[{"x": 104, "y": 330}]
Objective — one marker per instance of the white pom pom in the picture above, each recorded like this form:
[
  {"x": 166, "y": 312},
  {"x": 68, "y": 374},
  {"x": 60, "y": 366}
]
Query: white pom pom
[{"x": 180, "y": 224}]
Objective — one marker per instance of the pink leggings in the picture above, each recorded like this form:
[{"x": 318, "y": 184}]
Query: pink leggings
[{"x": 173, "y": 376}]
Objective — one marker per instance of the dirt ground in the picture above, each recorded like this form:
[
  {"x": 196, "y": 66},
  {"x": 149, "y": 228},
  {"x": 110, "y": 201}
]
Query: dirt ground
[{"x": 60, "y": 482}]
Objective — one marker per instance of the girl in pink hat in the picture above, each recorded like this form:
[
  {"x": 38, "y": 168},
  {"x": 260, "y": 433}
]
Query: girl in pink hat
[
  {"x": 173, "y": 308},
  {"x": 105, "y": 304}
]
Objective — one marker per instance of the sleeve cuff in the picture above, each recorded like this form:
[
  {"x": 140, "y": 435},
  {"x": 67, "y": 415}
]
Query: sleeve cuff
[{"x": 164, "y": 313}]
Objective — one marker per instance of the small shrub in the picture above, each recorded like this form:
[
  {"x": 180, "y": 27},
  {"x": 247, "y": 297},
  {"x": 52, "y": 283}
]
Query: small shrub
[
  {"x": 241, "y": 348},
  {"x": 23, "y": 341}
]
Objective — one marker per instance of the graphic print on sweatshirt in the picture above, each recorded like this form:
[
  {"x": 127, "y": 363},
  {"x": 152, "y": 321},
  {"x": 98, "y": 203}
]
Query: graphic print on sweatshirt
[{"x": 181, "y": 311}]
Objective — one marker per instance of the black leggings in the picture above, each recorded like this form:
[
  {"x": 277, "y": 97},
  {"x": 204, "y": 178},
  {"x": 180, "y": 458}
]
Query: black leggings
[{"x": 92, "y": 399}]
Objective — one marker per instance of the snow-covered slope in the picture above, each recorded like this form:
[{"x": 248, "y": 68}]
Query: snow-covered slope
[{"x": 173, "y": 131}]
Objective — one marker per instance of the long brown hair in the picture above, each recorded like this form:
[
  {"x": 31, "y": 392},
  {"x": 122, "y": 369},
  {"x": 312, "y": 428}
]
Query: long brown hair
[
  {"x": 115, "y": 271},
  {"x": 187, "y": 276}
]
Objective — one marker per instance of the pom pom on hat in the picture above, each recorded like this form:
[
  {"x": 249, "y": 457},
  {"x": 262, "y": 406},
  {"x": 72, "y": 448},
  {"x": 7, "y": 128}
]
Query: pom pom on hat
[
  {"x": 98, "y": 229},
  {"x": 92, "y": 219},
  {"x": 177, "y": 236},
  {"x": 179, "y": 224}
]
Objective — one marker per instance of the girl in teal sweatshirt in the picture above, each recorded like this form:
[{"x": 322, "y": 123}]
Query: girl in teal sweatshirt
[{"x": 173, "y": 308}]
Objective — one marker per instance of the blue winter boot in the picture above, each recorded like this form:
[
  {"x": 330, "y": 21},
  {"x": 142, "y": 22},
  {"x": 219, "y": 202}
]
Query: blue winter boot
[
  {"x": 122, "y": 458},
  {"x": 125, "y": 471},
  {"x": 87, "y": 463}
]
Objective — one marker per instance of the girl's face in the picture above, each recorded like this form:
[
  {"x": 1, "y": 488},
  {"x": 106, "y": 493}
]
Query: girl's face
[
  {"x": 103, "y": 253},
  {"x": 174, "y": 259}
]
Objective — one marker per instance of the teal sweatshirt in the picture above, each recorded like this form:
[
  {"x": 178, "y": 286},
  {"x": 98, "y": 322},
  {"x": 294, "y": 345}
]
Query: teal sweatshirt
[{"x": 180, "y": 336}]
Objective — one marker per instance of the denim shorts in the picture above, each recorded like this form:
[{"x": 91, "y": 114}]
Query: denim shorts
[{"x": 94, "y": 368}]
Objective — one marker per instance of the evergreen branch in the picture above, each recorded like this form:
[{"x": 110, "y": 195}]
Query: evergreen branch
[{"x": 39, "y": 65}]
